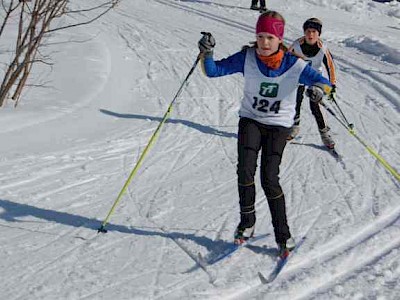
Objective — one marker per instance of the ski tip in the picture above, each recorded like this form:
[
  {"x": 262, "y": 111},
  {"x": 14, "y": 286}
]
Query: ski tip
[{"x": 262, "y": 278}]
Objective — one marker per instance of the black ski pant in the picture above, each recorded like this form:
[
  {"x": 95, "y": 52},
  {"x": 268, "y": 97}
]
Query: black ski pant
[
  {"x": 254, "y": 2},
  {"x": 271, "y": 140},
  {"x": 315, "y": 109}
]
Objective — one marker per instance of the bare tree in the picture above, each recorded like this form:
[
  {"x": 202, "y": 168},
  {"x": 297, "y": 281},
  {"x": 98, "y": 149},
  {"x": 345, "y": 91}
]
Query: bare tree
[{"x": 34, "y": 18}]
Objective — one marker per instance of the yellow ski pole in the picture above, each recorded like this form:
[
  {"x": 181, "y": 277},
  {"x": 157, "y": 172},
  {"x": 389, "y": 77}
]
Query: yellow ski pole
[
  {"x": 149, "y": 144},
  {"x": 375, "y": 154}
]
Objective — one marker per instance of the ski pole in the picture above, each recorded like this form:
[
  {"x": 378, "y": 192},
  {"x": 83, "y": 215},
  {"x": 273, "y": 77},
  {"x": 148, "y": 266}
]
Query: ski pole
[
  {"x": 350, "y": 129},
  {"x": 149, "y": 144},
  {"x": 333, "y": 99},
  {"x": 377, "y": 156},
  {"x": 347, "y": 126}
]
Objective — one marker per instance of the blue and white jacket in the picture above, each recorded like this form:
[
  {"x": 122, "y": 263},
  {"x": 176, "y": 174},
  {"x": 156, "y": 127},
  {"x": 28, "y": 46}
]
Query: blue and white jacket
[{"x": 269, "y": 94}]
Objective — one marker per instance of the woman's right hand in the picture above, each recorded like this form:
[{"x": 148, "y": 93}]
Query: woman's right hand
[{"x": 206, "y": 43}]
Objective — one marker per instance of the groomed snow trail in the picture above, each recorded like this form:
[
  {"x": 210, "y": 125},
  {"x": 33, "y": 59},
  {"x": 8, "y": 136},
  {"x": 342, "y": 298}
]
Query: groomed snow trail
[{"x": 62, "y": 164}]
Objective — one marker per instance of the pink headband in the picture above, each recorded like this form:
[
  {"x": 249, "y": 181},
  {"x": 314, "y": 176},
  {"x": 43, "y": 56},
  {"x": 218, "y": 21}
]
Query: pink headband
[{"x": 270, "y": 25}]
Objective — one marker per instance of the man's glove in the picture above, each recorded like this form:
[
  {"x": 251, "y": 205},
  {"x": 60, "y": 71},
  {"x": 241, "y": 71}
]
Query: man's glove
[
  {"x": 315, "y": 93},
  {"x": 332, "y": 94},
  {"x": 206, "y": 43}
]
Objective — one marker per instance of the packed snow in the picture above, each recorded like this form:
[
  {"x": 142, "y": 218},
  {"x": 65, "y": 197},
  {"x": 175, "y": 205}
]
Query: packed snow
[{"x": 70, "y": 145}]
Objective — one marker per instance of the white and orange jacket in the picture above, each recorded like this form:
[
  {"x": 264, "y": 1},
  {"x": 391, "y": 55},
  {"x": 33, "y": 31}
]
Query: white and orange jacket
[{"x": 321, "y": 59}]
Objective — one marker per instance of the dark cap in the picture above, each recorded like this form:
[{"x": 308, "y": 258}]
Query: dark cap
[{"x": 313, "y": 23}]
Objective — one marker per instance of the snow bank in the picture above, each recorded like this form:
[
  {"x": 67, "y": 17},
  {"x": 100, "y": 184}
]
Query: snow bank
[
  {"x": 391, "y": 9},
  {"x": 374, "y": 47}
]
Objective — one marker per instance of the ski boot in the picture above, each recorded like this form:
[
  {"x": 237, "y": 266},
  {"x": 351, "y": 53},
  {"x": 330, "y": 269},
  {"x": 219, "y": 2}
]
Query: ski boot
[
  {"x": 254, "y": 5},
  {"x": 243, "y": 234},
  {"x": 285, "y": 248},
  {"x": 326, "y": 138},
  {"x": 293, "y": 132}
]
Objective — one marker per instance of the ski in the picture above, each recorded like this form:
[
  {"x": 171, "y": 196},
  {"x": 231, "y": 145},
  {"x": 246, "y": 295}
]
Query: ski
[
  {"x": 297, "y": 141},
  {"x": 281, "y": 263},
  {"x": 335, "y": 154},
  {"x": 229, "y": 251},
  {"x": 282, "y": 260}
]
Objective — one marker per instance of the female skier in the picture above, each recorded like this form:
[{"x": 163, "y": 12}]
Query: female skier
[{"x": 271, "y": 76}]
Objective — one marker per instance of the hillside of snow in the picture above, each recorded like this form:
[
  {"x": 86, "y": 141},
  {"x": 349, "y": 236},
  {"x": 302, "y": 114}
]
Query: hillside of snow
[{"x": 68, "y": 148}]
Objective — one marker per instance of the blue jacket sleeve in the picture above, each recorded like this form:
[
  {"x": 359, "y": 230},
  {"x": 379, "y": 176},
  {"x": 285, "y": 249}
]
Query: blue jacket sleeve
[
  {"x": 230, "y": 65},
  {"x": 310, "y": 77}
]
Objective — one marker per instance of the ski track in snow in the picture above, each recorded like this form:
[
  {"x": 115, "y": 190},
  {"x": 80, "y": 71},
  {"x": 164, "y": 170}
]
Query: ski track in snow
[{"x": 183, "y": 201}]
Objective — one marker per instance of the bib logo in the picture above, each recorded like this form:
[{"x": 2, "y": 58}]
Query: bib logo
[{"x": 269, "y": 89}]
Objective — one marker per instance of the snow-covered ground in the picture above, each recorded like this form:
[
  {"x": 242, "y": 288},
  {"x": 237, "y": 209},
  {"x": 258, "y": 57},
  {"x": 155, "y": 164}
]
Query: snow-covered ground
[{"x": 67, "y": 149}]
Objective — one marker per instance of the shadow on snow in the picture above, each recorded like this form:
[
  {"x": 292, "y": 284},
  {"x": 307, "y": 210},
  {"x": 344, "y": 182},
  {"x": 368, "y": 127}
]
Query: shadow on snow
[
  {"x": 12, "y": 211},
  {"x": 197, "y": 126}
]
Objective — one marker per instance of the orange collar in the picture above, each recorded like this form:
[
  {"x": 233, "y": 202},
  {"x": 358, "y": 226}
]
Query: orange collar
[{"x": 272, "y": 61}]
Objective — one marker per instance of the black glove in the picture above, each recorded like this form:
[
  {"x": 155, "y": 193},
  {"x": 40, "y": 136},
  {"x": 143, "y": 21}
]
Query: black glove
[
  {"x": 315, "y": 92},
  {"x": 206, "y": 43},
  {"x": 332, "y": 94}
]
